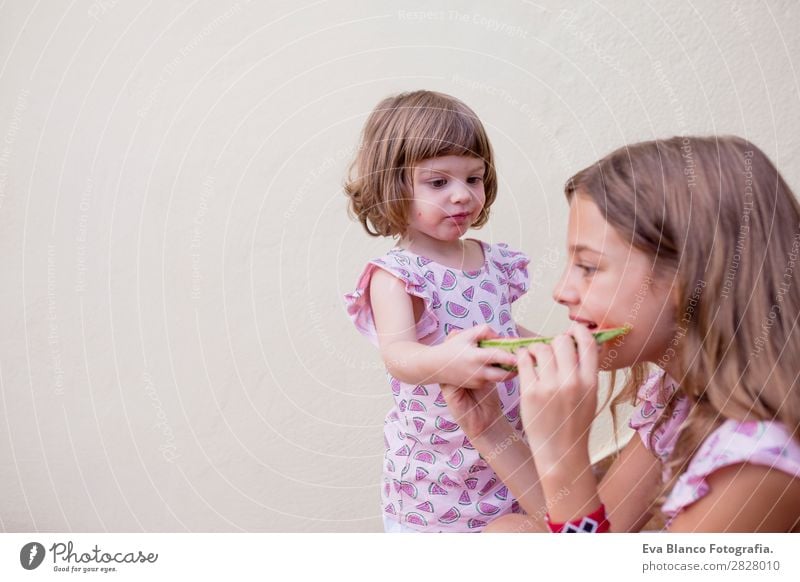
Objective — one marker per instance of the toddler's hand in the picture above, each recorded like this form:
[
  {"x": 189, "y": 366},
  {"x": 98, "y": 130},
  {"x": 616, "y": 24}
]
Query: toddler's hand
[
  {"x": 477, "y": 411},
  {"x": 463, "y": 363}
]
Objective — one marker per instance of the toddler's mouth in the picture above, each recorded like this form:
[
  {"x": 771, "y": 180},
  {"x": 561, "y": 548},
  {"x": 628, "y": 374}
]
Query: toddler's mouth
[{"x": 460, "y": 217}]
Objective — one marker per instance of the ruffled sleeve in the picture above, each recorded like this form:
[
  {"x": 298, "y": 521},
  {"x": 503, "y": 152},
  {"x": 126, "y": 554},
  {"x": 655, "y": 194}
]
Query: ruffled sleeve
[
  {"x": 359, "y": 306},
  {"x": 514, "y": 268},
  {"x": 653, "y": 399},
  {"x": 758, "y": 442}
]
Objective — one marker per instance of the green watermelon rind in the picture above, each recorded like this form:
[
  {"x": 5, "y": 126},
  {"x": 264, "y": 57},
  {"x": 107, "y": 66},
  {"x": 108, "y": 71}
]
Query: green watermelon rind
[{"x": 512, "y": 344}]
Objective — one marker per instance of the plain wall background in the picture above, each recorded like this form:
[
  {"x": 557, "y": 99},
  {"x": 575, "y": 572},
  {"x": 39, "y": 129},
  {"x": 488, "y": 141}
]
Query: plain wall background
[{"x": 175, "y": 353}]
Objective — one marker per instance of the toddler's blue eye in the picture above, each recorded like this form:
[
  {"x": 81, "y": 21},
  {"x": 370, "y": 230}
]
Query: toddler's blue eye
[
  {"x": 438, "y": 183},
  {"x": 475, "y": 179}
]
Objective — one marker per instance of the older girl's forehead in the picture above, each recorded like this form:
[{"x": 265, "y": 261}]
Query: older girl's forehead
[{"x": 588, "y": 230}]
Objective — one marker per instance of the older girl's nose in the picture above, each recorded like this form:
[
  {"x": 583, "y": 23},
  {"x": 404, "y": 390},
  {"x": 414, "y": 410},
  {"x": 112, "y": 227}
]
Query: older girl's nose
[{"x": 565, "y": 293}]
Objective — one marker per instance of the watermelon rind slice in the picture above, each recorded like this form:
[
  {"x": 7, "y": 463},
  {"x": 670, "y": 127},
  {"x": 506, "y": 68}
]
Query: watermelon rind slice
[{"x": 512, "y": 344}]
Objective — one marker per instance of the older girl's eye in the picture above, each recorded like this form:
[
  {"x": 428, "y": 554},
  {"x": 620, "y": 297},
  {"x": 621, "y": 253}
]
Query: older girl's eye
[{"x": 587, "y": 269}]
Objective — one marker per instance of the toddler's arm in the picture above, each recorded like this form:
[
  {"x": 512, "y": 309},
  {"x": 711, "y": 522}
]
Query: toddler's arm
[{"x": 459, "y": 361}]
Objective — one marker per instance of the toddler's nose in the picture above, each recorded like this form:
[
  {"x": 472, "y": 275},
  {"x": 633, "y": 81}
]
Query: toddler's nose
[{"x": 460, "y": 192}]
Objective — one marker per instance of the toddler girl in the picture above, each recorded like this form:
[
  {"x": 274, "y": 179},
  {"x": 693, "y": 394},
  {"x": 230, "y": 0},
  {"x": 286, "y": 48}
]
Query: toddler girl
[{"x": 425, "y": 174}]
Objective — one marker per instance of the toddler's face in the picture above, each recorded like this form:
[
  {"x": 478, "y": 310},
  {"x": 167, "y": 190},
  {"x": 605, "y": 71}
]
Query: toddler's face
[
  {"x": 448, "y": 196},
  {"x": 609, "y": 283}
]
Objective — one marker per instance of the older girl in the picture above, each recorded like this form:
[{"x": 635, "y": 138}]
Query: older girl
[{"x": 694, "y": 242}]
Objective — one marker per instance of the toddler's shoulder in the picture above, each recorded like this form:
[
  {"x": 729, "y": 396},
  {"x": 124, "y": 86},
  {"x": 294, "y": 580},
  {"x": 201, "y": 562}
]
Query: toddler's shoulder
[
  {"x": 404, "y": 268},
  {"x": 510, "y": 267}
]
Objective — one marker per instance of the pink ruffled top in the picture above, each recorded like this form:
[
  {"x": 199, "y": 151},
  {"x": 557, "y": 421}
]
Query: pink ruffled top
[
  {"x": 433, "y": 478},
  {"x": 766, "y": 443}
]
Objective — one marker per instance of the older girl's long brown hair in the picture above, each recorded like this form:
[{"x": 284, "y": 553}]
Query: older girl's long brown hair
[{"x": 720, "y": 223}]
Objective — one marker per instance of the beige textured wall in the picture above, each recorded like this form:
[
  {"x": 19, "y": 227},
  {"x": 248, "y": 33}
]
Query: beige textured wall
[{"x": 174, "y": 243}]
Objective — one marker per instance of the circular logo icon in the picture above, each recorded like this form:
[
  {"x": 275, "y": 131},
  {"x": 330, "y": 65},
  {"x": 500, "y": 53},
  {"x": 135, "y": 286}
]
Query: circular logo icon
[{"x": 31, "y": 555}]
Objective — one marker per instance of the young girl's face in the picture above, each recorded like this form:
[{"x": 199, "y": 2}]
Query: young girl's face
[
  {"x": 609, "y": 283},
  {"x": 448, "y": 196}
]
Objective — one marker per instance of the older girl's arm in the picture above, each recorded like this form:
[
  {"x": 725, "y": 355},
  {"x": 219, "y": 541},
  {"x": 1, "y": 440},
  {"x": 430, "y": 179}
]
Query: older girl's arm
[
  {"x": 630, "y": 487},
  {"x": 510, "y": 457},
  {"x": 744, "y": 498}
]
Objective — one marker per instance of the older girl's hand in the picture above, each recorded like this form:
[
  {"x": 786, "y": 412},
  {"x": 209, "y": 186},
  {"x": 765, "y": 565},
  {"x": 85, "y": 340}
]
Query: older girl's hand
[{"x": 558, "y": 385}]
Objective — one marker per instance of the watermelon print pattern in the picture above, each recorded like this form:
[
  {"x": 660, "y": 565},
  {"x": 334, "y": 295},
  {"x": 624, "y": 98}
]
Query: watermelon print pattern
[
  {"x": 488, "y": 286},
  {"x": 433, "y": 478},
  {"x": 487, "y": 508},
  {"x": 486, "y": 311},
  {"x": 449, "y": 281},
  {"x": 437, "y": 440},
  {"x": 767, "y": 443},
  {"x": 436, "y": 303},
  {"x": 469, "y": 293},
  {"x": 446, "y": 481},
  {"x": 456, "y": 310},
  {"x": 449, "y": 328},
  {"x": 447, "y": 426},
  {"x": 450, "y": 516}
]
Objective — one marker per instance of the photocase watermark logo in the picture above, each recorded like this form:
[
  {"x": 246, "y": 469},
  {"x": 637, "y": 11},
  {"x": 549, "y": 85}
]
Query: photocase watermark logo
[
  {"x": 67, "y": 558},
  {"x": 31, "y": 555}
]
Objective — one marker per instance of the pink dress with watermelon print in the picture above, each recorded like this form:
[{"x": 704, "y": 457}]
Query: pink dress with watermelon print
[
  {"x": 766, "y": 443},
  {"x": 433, "y": 478}
]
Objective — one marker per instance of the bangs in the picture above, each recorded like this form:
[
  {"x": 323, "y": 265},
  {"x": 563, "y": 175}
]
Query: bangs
[
  {"x": 402, "y": 131},
  {"x": 444, "y": 130}
]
